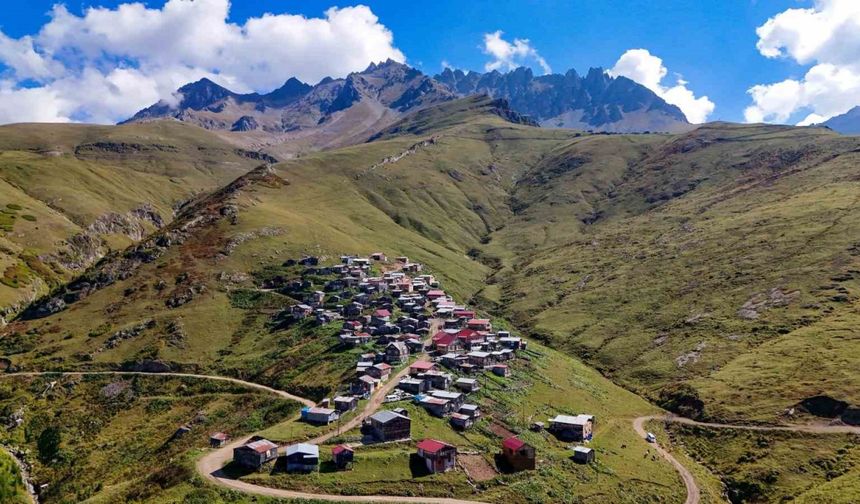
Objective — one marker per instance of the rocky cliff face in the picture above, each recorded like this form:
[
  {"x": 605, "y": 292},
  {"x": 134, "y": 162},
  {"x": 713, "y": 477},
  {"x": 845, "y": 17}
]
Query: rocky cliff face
[
  {"x": 594, "y": 101},
  {"x": 340, "y": 111}
]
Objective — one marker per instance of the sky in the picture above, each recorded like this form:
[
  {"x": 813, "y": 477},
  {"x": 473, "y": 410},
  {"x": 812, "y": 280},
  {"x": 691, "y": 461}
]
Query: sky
[{"x": 785, "y": 61}]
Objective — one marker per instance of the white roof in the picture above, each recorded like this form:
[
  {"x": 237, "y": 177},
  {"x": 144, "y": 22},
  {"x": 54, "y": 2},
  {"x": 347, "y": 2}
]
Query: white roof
[
  {"x": 582, "y": 449},
  {"x": 573, "y": 420},
  {"x": 444, "y": 394},
  {"x": 469, "y": 381},
  {"x": 480, "y": 355},
  {"x": 304, "y": 448}
]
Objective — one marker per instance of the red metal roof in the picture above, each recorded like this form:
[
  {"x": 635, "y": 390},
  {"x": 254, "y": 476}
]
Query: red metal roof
[
  {"x": 422, "y": 365},
  {"x": 468, "y": 334},
  {"x": 432, "y": 445},
  {"x": 478, "y": 322},
  {"x": 337, "y": 450},
  {"x": 513, "y": 443},
  {"x": 443, "y": 338},
  {"x": 382, "y": 313}
]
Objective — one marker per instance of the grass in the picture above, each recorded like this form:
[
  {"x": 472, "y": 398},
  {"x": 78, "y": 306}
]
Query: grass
[
  {"x": 634, "y": 253},
  {"x": 12, "y": 489},
  {"x": 97, "y": 436},
  {"x": 776, "y": 466},
  {"x": 622, "y": 472}
]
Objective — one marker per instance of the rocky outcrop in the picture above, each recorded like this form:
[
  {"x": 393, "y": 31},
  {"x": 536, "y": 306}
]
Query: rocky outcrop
[
  {"x": 121, "y": 265},
  {"x": 245, "y": 123}
]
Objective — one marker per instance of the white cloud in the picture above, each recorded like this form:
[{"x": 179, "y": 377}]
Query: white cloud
[
  {"x": 641, "y": 66},
  {"x": 507, "y": 55},
  {"x": 108, "y": 63},
  {"x": 827, "y": 36}
]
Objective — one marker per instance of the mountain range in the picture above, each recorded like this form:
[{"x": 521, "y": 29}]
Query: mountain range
[{"x": 336, "y": 112}]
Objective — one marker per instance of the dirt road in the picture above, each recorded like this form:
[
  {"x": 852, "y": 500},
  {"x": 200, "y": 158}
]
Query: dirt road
[{"x": 693, "y": 493}]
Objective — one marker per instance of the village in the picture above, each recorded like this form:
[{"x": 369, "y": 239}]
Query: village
[{"x": 419, "y": 347}]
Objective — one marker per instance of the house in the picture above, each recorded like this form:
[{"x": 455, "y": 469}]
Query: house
[
  {"x": 218, "y": 439},
  {"x": 321, "y": 416},
  {"x": 583, "y": 455},
  {"x": 380, "y": 371},
  {"x": 511, "y": 343},
  {"x": 467, "y": 384},
  {"x": 470, "y": 410},
  {"x": 445, "y": 342},
  {"x": 438, "y": 379},
  {"x": 519, "y": 454},
  {"x": 364, "y": 385},
  {"x": 413, "y": 385},
  {"x": 345, "y": 403},
  {"x": 256, "y": 453},
  {"x": 415, "y": 345},
  {"x": 303, "y": 457},
  {"x": 437, "y": 456},
  {"x": 470, "y": 338},
  {"x": 342, "y": 456},
  {"x": 460, "y": 421},
  {"x": 378, "y": 256},
  {"x": 457, "y": 399},
  {"x": 449, "y": 360},
  {"x": 479, "y": 359},
  {"x": 435, "y": 294},
  {"x": 436, "y": 406},
  {"x": 501, "y": 370},
  {"x": 572, "y": 428},
  {"x": 381, "y": 316},
  {"x": 390, "y": 426},
  {"x": 301, "y": 311},
  {"x": 464, "y": 314},
  {"x": 479, "y": 324},
  {"x": 420, "y": 367},
  {"x": 396, "y": 352}
]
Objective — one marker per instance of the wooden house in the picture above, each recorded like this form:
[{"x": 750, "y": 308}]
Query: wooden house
[
  {"x": 471, "y": 410},
  {"x": 218, "y": 439},
  {"x": 467, "y": 384},
  {"x": 380, "y": 371},
  {"x": 390, "y": 426},
  {"x": 414, "y": 385},
  {"x": 256, "y": 453},
  {"x": 420, "y": 367},
  {"x": 479, "y": 324},
  {"x": 364, "y": 385},
  {"x": 302, "y": 457},
  {"x": 438, "y": 456},
  {"x": 460, "y": 421},
  {"x": 572, "y": 428},
  {"x": 396, "y": 352},
  {"x": 519, "y": 454},
  {"x": 345, "y": 403},
  {"x": 583, "y": 455},
  {"x": 320, "y": 416},
  {"x": 457, "y": 399},
  {"x": 342, "y": 456},
  {"x": 436, "y": 406},
  {"x": 501, "y": 370}
]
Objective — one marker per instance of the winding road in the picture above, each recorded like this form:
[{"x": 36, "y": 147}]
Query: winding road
[{"x": 210, "y": 465}]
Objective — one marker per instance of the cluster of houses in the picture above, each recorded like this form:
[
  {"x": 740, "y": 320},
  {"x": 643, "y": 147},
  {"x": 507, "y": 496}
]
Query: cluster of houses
[{"x": 462, "y": 347}]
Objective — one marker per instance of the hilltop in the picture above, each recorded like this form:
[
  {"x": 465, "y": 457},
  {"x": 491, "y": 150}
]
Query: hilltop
[{"x": 70, "y": 194}]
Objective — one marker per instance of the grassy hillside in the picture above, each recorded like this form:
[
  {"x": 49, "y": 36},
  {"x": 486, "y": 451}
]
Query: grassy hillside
[
  {"x": 725, "y": 259},
  {"x": 713, "y": 272},
  {"x": 71, "y": 193},
  {"x": 544, "y": 383},
  {"x": 111, "y": 439}
]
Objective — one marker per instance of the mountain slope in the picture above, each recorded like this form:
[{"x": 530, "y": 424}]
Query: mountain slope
[
  {"x": 595, "y": 101},
  {"x": 847, "y": 123},
  {"x": 71, "y": 193},
  {"x": 299, "y": 117}
]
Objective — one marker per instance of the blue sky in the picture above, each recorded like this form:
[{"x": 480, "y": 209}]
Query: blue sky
[{"x": 712, "y": 44}]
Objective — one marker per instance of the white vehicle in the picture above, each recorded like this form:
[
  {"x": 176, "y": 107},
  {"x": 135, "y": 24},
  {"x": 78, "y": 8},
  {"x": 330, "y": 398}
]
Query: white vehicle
[{"x": 650, "y": 437}]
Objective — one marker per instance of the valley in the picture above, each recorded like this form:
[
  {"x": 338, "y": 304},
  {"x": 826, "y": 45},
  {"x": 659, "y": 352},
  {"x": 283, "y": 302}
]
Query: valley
[{"x": 703, "y": 273}]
